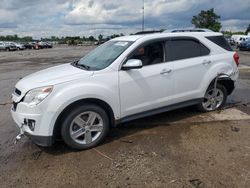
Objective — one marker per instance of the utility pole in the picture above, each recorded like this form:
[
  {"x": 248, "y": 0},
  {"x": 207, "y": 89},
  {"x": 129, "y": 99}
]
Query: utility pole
[{"x": 143, "y": 15}]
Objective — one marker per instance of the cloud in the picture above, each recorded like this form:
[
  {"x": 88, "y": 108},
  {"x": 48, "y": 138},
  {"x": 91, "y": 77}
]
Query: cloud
[
  {"x": 7, "y": 25},
  {"x": 235, "y": 24},
  {"x": 101, "y": 12},
  {"x": 92, "y": 17},
  {"x": 7, "y": 16}
]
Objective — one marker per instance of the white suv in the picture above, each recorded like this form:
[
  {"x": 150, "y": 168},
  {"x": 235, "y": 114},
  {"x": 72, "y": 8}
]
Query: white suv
[{"x": 124, "y": 79}]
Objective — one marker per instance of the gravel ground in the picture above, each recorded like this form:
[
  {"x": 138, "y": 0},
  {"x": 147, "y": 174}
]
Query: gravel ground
[{"x": 182, "y": 148}]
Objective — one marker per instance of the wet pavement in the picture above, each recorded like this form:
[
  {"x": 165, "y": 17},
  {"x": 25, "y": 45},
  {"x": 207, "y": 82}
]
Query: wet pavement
[{"x": 182, "y": 148}]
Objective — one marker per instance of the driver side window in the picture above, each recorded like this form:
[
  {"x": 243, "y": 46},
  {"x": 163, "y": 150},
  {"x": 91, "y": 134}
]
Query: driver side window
[{"x": 149, "y": 54}]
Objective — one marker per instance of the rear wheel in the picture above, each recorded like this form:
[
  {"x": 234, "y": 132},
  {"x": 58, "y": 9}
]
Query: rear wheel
[
  {"x": 85, "y": 127},
  {"x": 214, "y": 98}
]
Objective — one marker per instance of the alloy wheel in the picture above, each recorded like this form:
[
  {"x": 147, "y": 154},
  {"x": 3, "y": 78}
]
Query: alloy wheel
[
  {"x": 86, "y": 127},
  {"x": 213, "y": 99}
]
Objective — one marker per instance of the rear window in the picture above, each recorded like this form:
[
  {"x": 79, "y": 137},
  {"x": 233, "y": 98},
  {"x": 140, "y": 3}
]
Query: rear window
[{"x": 220, "y": 41}]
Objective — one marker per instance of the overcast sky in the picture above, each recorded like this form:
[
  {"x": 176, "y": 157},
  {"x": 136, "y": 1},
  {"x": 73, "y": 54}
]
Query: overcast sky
[{"x": 43, "y": 18}]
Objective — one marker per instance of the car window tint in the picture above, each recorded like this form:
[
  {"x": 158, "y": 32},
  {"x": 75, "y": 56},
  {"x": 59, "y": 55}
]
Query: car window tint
[
  {"x": 204, "y": 50},
  {"x": 220, "y": 41},
  {"x": 186, "y": 48},
  {"x": 149, "y": 54}
]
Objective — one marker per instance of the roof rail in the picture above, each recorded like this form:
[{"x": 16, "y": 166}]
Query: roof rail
[
  {"x": 188, "y": 30},
  {"x": 148, "y": 32}
]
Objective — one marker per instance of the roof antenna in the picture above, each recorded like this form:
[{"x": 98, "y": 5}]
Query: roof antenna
[{"x": 143, "y": 15}]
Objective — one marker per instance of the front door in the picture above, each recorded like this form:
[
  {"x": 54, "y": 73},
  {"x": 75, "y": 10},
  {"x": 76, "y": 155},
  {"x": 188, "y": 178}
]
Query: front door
[{"x": 149, "y": 87}]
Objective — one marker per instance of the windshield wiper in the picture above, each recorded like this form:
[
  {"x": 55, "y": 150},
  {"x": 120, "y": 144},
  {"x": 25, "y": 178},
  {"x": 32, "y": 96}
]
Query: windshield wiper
[{"x": 81, "y": 66}]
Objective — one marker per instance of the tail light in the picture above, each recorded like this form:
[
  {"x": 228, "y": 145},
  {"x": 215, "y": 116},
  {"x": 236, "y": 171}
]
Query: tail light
[{"x": 237, "y": 59}]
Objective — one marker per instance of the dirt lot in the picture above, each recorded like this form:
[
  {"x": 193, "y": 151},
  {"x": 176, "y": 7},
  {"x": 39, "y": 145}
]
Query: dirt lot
[{"x": 183, "y": 148}]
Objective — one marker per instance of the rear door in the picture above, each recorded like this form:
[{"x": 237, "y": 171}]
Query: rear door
[{"x": 191, "y": 61}]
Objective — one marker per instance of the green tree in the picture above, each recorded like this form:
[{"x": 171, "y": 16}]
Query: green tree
[
  {"x": 91, "y": 38},
  {"x": 27, "y": 39},
  {"x": 207, "y": 19},
  {"x": 248, "y": 29},
  {"x": 100, "y": 37}
]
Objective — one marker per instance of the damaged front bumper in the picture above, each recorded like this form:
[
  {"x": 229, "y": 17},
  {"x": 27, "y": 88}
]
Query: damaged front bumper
[{"x": 29, "y": 125}]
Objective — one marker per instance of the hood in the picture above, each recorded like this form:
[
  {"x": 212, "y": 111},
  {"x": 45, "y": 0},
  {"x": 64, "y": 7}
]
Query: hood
[{"x": 51, "y": 76}]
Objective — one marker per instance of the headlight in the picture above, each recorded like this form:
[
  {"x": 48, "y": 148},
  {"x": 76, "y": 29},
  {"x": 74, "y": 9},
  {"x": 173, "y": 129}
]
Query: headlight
[{"x": 35, "y": 96}]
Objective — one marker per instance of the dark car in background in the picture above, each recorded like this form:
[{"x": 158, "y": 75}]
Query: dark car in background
[
  {"x": 43, "y": 45},
  {"x": 49, "y": 45},
  {"x": 30, "y": 45}
]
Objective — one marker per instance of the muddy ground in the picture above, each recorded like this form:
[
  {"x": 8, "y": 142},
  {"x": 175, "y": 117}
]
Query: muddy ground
[{"x": 182, "y": 148}]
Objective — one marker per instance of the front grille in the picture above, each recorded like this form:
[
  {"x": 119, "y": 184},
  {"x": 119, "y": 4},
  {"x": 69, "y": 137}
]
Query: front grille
[{"x": 17, "y": 92}]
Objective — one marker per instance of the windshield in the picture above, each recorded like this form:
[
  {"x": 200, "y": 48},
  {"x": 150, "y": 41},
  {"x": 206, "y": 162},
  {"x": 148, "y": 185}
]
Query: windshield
[{"x": 104, "y": 55}]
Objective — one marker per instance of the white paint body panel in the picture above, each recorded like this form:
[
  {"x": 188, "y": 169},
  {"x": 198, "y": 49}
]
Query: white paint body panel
[{"x": 145, "y": 89}]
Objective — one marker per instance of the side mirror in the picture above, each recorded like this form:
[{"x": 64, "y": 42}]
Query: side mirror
[{"x": 132, "y": 64}]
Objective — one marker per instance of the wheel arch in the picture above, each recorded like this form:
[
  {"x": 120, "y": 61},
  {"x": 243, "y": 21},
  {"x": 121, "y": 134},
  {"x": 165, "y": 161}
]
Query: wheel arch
[
  {"x": 227, "y": 82},
  {"x": 100, "y": 103}
]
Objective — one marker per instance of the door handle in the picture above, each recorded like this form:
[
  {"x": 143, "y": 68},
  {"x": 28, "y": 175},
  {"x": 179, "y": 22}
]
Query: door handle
[
  {"x": 206, "y": 62},
  {"x": 166, "y": 71}
]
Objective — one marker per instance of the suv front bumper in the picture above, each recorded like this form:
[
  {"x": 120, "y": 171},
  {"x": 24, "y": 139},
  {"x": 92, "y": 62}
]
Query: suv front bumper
[
  {"x": 30, "y": 124},
  {"x": 44, "y": 141}
]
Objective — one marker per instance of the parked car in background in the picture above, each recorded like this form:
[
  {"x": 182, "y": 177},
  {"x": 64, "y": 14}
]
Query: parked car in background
[
  {"x": 238, "y": 39},
  {"x": 235, "y": 38},
  {"x": 229, "y": 39},
  {"x": 29, "y": 45},
  {"x": 245, "y": 45},
  {"x": 8, "y": 46},
  {"x": 2, "y": 46},
  {"x": 241, "y": 39},
  {"x": 42, "y": 45},
  {"x": 19, "y": 46},
  {"x": 49, "y": 45},
  {"x": 11, "y": 46}
]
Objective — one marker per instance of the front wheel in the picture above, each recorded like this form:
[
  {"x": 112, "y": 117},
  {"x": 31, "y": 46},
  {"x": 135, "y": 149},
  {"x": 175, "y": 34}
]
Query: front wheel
[
  {"x": 214, "y": 98},
  {"x": 85, "y": 127}
]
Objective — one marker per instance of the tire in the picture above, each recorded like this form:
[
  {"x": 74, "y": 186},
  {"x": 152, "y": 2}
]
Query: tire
[
  {"x": 85, "y": 127},
  {"x": 210, "y": 103}
]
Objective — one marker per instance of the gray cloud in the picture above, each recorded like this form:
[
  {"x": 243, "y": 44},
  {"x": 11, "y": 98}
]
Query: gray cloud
[
  {"x": 83, "y": 17},
  {"x": 7, "y": 25}
]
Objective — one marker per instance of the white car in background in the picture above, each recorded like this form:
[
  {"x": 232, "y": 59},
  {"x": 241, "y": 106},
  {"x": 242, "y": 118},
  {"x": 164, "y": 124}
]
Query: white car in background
[
  {"x": 7, "y": 46},
  {"x": 19, "y": 46},
  {"x": 238, "y": 39},
  {"x": 124, "y": 79}
]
